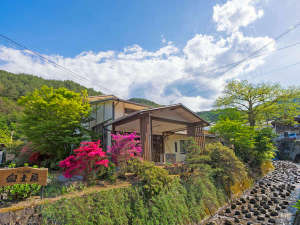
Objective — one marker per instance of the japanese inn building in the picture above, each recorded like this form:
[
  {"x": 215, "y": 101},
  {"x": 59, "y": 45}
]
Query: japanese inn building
[{"x": 164, "y": 131}]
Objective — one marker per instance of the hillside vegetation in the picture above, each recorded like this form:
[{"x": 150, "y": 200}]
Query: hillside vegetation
[
  {"x": 13, "y": 86},
  {"x": 144, "y": 102},
  {"x": 216, "y": 114}
]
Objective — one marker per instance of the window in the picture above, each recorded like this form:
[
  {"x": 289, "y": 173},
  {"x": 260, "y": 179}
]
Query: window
[
  {"x": 176, "y": 147},
  {"x": 128, "y": 111},
  {"x": 94, "y": 111},
  {"x": 184, "y": 146}
]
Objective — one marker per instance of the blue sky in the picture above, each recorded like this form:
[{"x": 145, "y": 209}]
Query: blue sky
[
  {"x": 58, "y": 27},
  {"x": 168, "y": 51}
]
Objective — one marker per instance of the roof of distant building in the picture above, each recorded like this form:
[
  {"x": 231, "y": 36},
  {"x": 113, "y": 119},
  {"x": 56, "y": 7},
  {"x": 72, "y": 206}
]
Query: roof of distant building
[{"x": 104, "y": 98}]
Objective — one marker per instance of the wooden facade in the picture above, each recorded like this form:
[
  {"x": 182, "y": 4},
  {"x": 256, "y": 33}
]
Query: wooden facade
[
  {"x": 196, "y": 131},
  {"x": 153, "y": 124}
]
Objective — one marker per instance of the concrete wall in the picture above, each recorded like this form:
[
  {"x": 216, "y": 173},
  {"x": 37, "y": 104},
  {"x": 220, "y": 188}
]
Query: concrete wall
[
  {"x": 27, "y": 216},
  {"x": 289, "y": 149}
]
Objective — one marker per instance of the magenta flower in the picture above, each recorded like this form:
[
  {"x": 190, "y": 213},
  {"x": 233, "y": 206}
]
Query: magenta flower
[
  {"x": 124, "y": 147},
  {"x": 88, "y": 158}
]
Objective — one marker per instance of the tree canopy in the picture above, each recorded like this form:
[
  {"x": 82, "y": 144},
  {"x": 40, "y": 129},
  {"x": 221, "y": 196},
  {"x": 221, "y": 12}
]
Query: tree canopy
[
  {"x": 257, "y": 101},
  {"x": 53, "y": 120}
]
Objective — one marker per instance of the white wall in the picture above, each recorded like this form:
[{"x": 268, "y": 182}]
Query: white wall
[{"x": 169, "y": 145}]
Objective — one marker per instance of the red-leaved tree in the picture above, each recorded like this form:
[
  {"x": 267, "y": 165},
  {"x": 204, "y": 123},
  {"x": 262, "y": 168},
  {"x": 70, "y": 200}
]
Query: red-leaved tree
[
  {"x": 124, "y": 147},
  {"x": 87, "y": 160}
]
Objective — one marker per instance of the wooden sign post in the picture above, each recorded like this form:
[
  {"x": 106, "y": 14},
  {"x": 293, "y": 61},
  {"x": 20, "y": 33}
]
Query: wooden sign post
[{"x": 24, "y": 175}]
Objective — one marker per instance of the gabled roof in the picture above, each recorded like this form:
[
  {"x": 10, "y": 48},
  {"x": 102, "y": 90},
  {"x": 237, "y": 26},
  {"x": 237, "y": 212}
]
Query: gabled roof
[
  {"x": 104, "y": 98},
  {"x": 190, "y": 112}
]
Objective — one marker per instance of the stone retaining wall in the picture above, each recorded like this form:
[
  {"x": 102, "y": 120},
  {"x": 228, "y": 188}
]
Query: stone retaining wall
[
  {"x": 267, "y": 202},
  {"x": 27, "y": 216}
]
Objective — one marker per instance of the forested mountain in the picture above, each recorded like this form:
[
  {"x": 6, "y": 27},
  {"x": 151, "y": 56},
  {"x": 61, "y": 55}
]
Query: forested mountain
[
  {"x": 214, "y": 115},
  {"x": 144, "y": 102},
  {"x": 210, "y": 116},
  {"x": 13, "y": 86}
]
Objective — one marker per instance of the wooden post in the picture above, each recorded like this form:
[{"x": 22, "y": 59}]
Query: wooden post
[
  {"x": 150, "y": 136},
  {"x": 42, "y": 192},
  {"x": 145, "y": 130},
  {"x": 113, "y": 127}
]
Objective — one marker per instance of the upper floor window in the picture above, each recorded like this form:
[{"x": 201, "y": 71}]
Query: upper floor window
[{"x": 128, "y": 111}]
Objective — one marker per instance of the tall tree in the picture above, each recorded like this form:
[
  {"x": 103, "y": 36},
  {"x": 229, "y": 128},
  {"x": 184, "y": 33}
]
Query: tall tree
[
  {"x": 53, "y": 120},
  {"x": 257, "y": 101}
]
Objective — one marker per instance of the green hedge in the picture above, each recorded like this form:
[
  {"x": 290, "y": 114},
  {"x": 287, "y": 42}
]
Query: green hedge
[{"x": 177, "y": 204}]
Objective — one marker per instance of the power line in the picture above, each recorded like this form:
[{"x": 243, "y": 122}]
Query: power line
[
  {"x": 281, "y": 68},
  {"x": 255, "y": 53},
  {"x": 76, "y": 75},
  {"x": 258, "y": 55},
  {"x": 39, "y": 55}
]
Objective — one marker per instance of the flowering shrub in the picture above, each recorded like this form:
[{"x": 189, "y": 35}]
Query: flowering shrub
[
  {"x": 25, "y": 153},
  {"x": 87, "y": 160},
  {"x": 124, "y": 147},
  {"x": 34, "y": 157},
  {"x": 29, "y": 154}
]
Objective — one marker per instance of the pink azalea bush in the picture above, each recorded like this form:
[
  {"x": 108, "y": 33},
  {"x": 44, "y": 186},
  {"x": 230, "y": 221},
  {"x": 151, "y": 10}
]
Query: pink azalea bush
[
  {"x": 87, "y": 160},
  {"x": 124, "y": 147}
]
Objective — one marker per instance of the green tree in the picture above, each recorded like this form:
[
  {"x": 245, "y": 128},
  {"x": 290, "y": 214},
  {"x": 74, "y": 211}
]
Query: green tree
[
  {"x": 257, "y": 101},
  {"x": 288, "y": 107},
  {"x": 53, "y": 120},
  {"x": 264, "y": 147},
  {"x": 236, "y": 135},
  {"x": 5, "y": 137},
  {"x": 251, "y": 145}
]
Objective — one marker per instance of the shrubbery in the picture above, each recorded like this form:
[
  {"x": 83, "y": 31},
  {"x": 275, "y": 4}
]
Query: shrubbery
[
  {"x": 217, "y": 164},
  {"x": 152, "y": 178},
  {"x": 19, "y": 192}
]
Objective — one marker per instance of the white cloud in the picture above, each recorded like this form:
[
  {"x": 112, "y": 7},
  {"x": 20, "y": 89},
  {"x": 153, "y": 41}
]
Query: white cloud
[
  {"x": 235, "y": 14},
  {"x": 193, "y": 75}
]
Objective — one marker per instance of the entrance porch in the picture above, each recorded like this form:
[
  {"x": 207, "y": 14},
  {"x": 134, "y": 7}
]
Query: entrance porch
[{"x": 155, "y": 125}]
